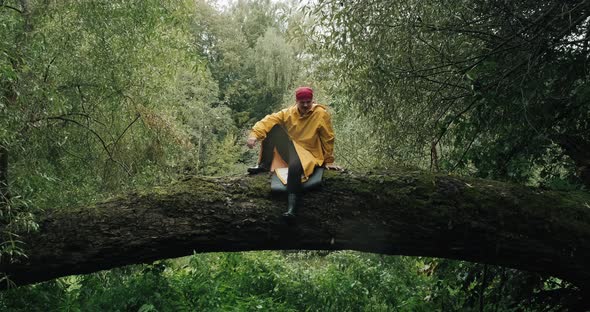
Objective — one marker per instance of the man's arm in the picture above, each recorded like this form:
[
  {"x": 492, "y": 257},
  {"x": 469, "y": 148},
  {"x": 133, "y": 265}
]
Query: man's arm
[
  {"x": 262, "y": 127},
  {"x": 326, "y": 133}
]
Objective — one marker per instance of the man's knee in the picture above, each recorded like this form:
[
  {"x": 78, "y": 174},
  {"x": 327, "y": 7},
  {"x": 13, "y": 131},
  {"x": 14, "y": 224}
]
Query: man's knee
[
  {"x": 276, "y": 128},
  {"x": 276, "y": 131}
]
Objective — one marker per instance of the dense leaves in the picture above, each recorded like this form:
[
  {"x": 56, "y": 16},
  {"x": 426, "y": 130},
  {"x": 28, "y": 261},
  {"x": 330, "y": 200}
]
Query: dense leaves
[
  {"x": 315, "y": 281},
  {"x": 287, "y": 281},
  {"x": 490, "y": 88},
  {"x": 493, "y": 89},
  {"x": 98, "y": 97}
]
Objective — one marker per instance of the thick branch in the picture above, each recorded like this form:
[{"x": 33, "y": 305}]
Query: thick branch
[
  {"x": 100, "y": 139},
  {"x": 403, "y": 213},
  {"x": 2, "y": 5}
]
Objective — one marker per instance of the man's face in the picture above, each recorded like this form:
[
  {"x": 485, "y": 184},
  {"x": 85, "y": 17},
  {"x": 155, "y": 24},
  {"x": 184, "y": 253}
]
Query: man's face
[{"x": 304, "y": 106}]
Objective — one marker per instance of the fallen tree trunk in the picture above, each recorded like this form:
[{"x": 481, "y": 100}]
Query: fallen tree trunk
[{"x": 403, "y": 213}]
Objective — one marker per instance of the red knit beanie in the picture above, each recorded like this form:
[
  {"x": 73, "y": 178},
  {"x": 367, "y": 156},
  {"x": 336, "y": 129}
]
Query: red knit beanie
[{"x": 304, "y": 94}]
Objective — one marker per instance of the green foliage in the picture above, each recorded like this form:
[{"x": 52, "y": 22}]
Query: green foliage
[
  {"x": 248, "y": 55},
  {"x": 121, "y": 100},
  {"x": 273, "y": 61},
  {"x": 473, "y": 87},
  {"x": 99, "y": 97},
  {"x": 269, "y": 281},
  {"x": 448, "y": 86},
  {"x": 292, "y": 281}
]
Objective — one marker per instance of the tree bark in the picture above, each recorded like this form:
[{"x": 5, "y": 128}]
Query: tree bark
[{"x": 398, "y": 213}]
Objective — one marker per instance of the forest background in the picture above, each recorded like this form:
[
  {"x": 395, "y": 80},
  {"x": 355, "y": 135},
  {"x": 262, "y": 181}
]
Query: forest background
[{"x": 98, "y": 98}]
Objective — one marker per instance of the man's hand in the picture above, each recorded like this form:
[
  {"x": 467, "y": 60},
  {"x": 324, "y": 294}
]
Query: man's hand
[
  {"x": 332, "y": 166},
  {"x": 251, "y": 142}
]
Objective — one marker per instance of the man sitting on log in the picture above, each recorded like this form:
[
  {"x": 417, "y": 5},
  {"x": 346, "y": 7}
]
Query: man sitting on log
[{"x": 303, "y": 138}]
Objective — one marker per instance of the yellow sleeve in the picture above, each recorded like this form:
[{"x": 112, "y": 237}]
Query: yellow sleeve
[
  {"x": 327, "y": 138},
  {"x": 262, "y": 127}
]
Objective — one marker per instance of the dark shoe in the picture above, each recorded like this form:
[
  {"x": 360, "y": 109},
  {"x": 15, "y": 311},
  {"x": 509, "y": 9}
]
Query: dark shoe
[
  {"x": 257, "y": 169},
  {"x": 288, "y": 215},
  {"x": 293, "y": 202}
]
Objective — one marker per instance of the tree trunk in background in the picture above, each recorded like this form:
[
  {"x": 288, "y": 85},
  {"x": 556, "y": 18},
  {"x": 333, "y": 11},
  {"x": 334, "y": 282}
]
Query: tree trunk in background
[
  {"x": 26, "y": 12},
  {"x": 578, "y": 149},
  {"x": 4, "y": 191},
  {"x": 401, "y": 213}
]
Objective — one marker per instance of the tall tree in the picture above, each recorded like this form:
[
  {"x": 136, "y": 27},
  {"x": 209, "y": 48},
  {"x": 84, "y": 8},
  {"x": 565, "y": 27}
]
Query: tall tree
[
  {"x": 89, "y": 100},
  {"x": 485, "y": 88},
  {"x": 498, "y": 88},
  {"x": 17, "y": 26},
  {"x": 248, "y": 55}
]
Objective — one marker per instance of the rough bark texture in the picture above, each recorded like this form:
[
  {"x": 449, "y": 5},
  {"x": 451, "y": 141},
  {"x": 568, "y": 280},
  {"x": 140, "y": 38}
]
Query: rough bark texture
[{"x": 399, "y": 213}]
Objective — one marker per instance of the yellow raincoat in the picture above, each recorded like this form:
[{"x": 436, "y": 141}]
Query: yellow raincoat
[{"x": 312, "y": 135}]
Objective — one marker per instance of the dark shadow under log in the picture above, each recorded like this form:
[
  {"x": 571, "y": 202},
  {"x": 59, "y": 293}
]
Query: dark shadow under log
[{"x": 399, "y": 213}]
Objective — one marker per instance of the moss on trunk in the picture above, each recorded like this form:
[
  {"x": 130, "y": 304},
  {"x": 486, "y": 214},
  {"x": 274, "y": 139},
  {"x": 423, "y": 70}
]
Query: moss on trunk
[{"x": 398, "y": 213}]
